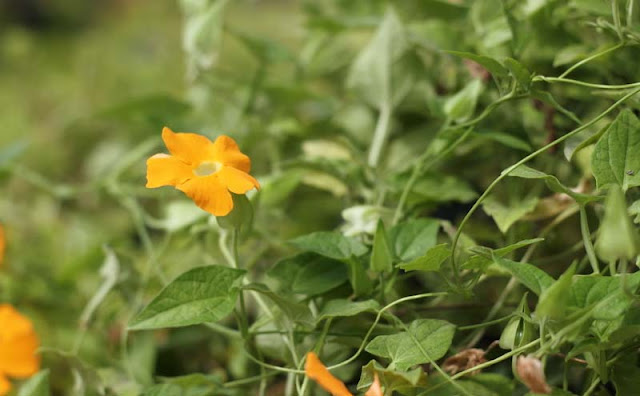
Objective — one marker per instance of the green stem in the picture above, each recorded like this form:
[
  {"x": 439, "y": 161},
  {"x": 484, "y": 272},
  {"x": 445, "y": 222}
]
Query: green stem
[
  {"x": 586, "y": 238},
  {"x": 590, "y": 58},
  {"x": 615, "y": 11},
  {"x": 529, "y": 157},
  {"x": 380, "y": 135},
  {"x": 585, "y": 84}
]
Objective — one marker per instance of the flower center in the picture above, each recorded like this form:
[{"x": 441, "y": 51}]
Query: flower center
[{"x": 207, "y": 168}]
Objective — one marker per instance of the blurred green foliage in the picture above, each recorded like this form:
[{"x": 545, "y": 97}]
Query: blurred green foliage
[{"x": 377, "y": 129}]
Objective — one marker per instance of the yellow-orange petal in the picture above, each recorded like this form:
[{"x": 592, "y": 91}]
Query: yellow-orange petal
[
  {"x": 375, "y": 389},
  {"x": 3, "y": 244},
  {"x": 166, "y": 170},
  {"x": 237, "y": 181},
  {"x": 209, "y": 194},
  {"x": 5, "y": 385},
  {"x": 191, "y": 148},
  {"x": 18, "y": 344},
  {"x": 227, "y": 152},
  {"x": 317, "y": 371}
]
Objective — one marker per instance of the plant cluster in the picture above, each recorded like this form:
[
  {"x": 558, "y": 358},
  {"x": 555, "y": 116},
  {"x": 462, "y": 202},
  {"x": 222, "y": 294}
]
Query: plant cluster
[{"x": 437, "y": 198}]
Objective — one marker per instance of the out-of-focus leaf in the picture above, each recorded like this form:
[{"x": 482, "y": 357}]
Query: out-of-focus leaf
[
  {"x": 519, "y": 72},
  {"x": 491, "y": 64},
  {"x": 461, "y": 106},
  {"x": 296, "y": 311},
  {"x": 37, "y": 385},
  {"x": 378, "y": 75},
  {"x": 504, "y": 215}
]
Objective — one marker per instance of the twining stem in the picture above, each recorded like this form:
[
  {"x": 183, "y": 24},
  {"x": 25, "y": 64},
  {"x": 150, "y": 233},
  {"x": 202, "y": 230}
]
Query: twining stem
[
  {"x": 475, "y": 337},
  {"x": 422, "y": 165},
  {"x": 380, "y": 135},
  {"x": 590, "y": 58},
  {"x": 585, "y": 84},
  {"x": 529, "y": 157},
  {"x": 586, "y": 238}
]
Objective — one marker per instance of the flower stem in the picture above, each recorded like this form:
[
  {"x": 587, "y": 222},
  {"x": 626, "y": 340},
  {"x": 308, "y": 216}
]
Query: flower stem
[
  {"x": 586, "y": 238},
  {"x": 380, "y": 135}
]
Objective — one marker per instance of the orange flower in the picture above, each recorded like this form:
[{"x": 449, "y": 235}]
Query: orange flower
[
  {"x": 18, "y": 344},
  {"x": 208, "y": 172},
  {"x": 317, "y": 371}
]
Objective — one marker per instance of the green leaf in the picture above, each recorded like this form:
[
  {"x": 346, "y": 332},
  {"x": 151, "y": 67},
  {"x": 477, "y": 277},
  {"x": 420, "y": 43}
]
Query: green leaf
[
  {"x": 296, "y": 311},
  {"x": 553, "y": 183},
  {"x": 378, "y": 74},
  {"x": 506, "y": 139},
  {"x": 200, "y": 295},
  {"x": 626, "y": 375},
  {"x": 532, "y": 277},
  {"x": 308, "y": 273},
  {"x": 609, "y": 296},
  {"x": 202, "y": 36},
  {"x": 330, "y": 244},
  {"x": 483, "y": 255},
  {"x": 570, "y": 54},
  {"x": 343, "y": 307},
  {"x": 163, "y": 390},
  {"x": 440, "y": 188},
  {"x": 519, "y": 72},
  {"x": 180, "y": 214},
  {"x": 193, "y": 385},
  {"x": 501, "y": 385},
  {"x": 616, "y": 158},
  {"x": 492, "y": 65},
  {"x": 358, "y": 278},
  {"x": 381, "y": 255},
  {"x": 240, "y": 218},
  {"x": 392, "y": 380},
  {"x": 461, "y": 106},
  {"x": 554, "y": 299},
  {"x": 413, "y": 238},
  {"x": 618, "y": 238},
  {"x": 434, "y": 337},
  {"x": 37, "y": 385},
  {"x": 504, "y": 215},
  {"x": 431, "y": 261}
]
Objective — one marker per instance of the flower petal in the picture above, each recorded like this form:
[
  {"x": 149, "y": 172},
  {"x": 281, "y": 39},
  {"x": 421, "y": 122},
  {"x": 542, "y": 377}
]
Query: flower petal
[
  {"x": 165, "y": 170},
  {"x": 317, "y": 371},
  {"x": 5, "y": 385},
  {"x": 226, "y": 151},
  {"x": 18, "y": 344},
  {"x": 209, "y": 194},
  {"x": 237, "y": 181},
  {"x": 375, "y": 389},
  {"x": 191, "y": 148}
]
